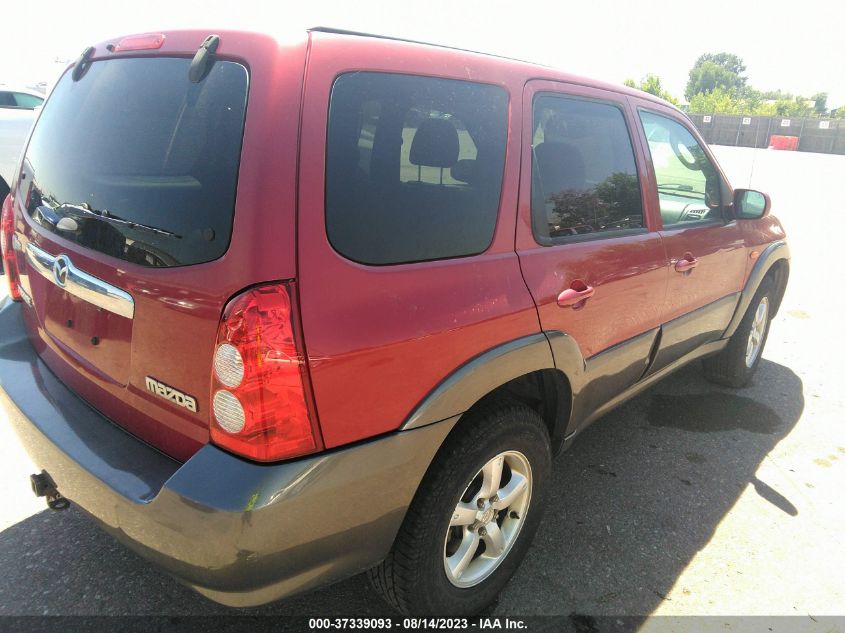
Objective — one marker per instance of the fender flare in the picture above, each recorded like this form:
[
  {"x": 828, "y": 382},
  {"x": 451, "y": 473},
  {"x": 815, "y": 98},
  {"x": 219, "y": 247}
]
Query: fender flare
[
  {"x": 773, "y": 253},
  {"x": 479, "y": 376}
]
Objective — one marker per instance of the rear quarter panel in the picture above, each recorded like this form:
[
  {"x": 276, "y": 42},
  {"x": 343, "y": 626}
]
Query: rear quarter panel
[{"x": 379, "y": 339}]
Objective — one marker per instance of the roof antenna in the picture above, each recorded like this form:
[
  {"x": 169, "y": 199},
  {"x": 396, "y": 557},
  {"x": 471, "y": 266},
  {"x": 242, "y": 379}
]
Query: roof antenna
[
  {"x": 204, "y": 59},
  {"x": 82, "y": 64}
]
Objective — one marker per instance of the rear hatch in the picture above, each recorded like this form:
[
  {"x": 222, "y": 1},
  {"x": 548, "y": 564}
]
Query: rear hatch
[{"x": 128, "y": 195}]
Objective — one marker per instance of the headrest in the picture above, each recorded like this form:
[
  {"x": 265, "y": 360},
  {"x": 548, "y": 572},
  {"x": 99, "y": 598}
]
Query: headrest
[
  {"x": 435, "y": 144},
  {"x": 555, "y": 130},
  {"x": 464, "y": 170}
]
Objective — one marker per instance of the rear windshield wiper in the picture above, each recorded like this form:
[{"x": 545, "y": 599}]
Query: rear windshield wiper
[{"x": 108, "y": 216}]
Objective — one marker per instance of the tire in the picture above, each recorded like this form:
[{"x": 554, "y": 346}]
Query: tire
[
  {"x": 735, "y": 365},
  {"x": 414, "y": 577}
]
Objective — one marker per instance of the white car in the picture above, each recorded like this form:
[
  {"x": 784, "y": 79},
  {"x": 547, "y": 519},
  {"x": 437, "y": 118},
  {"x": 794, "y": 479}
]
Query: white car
[
  {"x": 20, "y": 98},
  {"x": 18, "y": 110}
]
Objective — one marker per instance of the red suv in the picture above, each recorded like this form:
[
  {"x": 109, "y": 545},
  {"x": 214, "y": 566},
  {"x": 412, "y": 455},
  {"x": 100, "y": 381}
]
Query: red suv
[{"x": 294, "y": 309}]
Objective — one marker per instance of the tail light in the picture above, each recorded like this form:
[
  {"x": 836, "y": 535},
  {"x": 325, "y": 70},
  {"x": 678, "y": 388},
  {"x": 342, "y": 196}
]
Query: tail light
[
  {"x": 10, "y": 262},
  {"x": 259, "y": 397}
]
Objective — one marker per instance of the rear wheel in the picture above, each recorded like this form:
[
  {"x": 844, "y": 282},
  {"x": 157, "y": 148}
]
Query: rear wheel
[
  {"x": 735, "y": 365},
  {"x": 473, "y": 517}
]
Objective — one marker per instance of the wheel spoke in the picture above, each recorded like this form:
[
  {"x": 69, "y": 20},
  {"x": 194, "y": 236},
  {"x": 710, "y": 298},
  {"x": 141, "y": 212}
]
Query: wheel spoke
[
  {"x": 494, "y": 540},
  {"x": 492, "y": 475},
  {"x": 504, "y": 494},
  {"x": 512, "y": 492},
  {"x": 464, "y": 514},
  {"x": 459, "y": 560},
  {"x": 758, "y": 330}
]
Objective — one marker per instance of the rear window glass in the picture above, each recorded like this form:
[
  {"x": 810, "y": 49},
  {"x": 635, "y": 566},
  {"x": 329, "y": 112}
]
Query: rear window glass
[
  {"x": 413, "y": 167},
  {"x": 135, "y": 161}
]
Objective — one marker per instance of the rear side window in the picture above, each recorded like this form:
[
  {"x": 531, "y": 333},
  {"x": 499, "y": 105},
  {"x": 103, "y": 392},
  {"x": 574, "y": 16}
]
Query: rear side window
[
  {"x": 413, "y": 167},
  {"x": 135, "y": 161},
  {"x": 584, "y": 177}
]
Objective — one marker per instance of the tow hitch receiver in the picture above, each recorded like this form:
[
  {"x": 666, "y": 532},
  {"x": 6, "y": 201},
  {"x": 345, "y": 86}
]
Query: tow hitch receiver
[{"x": 44, "y": 486}]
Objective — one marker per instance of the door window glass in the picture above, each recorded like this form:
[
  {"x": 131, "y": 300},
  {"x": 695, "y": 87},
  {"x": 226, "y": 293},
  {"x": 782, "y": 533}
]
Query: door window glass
[
  {"x": 688, "y": 184},
  {"x": 584, "y": 177}
]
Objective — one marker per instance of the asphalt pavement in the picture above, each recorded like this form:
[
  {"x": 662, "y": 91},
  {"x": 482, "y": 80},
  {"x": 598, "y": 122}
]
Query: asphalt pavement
[{"x": 689, "y": 499}]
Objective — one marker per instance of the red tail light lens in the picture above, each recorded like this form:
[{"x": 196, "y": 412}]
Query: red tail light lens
[
  {"x": 259, "y": 396},
  {"x": 10, "y": 263}
]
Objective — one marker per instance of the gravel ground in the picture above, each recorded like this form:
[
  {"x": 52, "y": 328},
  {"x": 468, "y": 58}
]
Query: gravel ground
[{"x": 689, "y": 499}]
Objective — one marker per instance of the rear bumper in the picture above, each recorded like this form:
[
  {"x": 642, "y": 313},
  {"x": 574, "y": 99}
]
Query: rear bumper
[{"x": 238, "y": 532}]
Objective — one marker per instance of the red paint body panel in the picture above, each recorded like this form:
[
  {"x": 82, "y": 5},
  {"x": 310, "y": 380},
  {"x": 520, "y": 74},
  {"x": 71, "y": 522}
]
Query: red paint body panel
[
  {"x": 757, "y": 235},
  {"x": 177, "y": 309},
  {"x": 720, "y": 253},
  {"x": 379, "y": 339},
  {"x": 627, "y": 273},
  {"x": 719, "y": 248}
]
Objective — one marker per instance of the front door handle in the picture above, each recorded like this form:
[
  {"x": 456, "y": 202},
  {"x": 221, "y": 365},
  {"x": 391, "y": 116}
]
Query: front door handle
[
  {"x": 576, "y": 295},
  {"x": 686, "y": 264}
]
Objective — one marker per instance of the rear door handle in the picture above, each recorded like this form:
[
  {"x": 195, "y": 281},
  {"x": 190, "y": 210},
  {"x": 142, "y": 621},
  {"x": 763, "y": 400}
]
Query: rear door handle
[
  {"x": 576, "y": 295},
  {"x": 686, "y": 264}
]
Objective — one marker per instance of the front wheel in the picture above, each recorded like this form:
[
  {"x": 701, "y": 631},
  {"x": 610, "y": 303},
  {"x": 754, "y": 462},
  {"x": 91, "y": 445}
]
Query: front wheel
[
  {"x": 473, "y": 517},
  {"x": 735, "y": 365}
]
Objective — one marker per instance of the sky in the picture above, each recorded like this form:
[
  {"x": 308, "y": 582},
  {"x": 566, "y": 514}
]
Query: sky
[{"x": 797, "y": 47}]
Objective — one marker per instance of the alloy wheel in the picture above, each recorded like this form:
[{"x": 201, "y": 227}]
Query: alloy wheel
[
  {"x": 758, "y": 331},
  {"x": 487, "y": 520}
]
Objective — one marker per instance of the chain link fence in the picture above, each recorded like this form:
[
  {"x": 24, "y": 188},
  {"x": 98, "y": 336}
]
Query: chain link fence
[{"x": 814, "y": 135}]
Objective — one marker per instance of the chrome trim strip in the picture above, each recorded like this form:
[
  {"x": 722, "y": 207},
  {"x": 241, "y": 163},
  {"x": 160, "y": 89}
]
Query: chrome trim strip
[
  {"x": 41, "y": 260},
  {"x": 80, "y": 284}
]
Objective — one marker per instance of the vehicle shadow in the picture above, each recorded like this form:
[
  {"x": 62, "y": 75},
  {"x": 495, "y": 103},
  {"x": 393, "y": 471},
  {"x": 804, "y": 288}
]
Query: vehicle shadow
[{"x": 633, "y": 501}]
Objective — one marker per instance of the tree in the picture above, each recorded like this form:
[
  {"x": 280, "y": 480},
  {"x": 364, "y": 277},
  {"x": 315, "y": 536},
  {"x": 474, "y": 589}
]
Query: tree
[
  {"x": 776, "y": 94},
  {"x": 796, "y": 107},
  {"x": 651, "y": 84},
  {"x": 820, "y": 105},
  {"x": 717, "y": 101},
  {"x": 715, "y": 70},
  {"x": 728, "y": 61},
  {"x": 749, "y": 102}
]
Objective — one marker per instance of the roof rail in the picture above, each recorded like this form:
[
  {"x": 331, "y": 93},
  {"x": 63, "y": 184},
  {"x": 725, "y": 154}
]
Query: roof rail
[{"x": 329, "y": 29}]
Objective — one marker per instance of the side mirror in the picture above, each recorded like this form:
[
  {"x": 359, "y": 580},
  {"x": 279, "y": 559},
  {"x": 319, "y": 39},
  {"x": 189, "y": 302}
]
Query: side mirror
[{"x": 750, "y": 204}]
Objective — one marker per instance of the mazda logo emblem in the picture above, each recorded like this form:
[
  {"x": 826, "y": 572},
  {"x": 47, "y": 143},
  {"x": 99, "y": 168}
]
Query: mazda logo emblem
[{"x": 60, "y": 270}]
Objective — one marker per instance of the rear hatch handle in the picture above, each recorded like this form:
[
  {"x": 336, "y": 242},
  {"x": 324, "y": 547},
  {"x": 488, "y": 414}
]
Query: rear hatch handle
[{"x": 60, "y": 271}]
